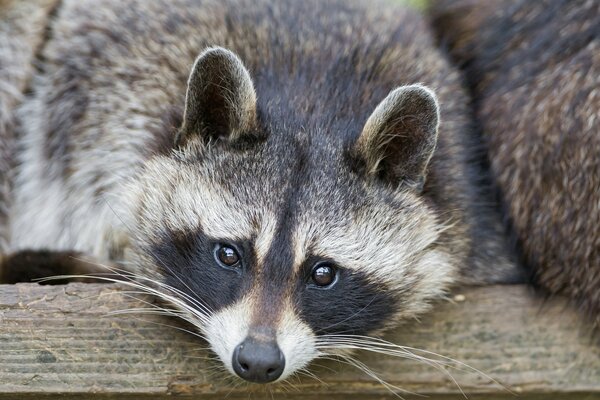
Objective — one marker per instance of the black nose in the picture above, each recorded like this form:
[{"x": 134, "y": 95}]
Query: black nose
[{"x": 258, "y": 361}]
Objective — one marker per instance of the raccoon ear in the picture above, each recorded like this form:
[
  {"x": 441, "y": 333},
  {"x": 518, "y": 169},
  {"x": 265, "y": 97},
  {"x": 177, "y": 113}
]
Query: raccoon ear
[
  {"x": 220, "y": 101},
  {"x": 399, "y": 138}
]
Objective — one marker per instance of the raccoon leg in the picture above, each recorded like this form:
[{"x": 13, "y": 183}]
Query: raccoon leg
[{"x": 29, "y": 265}]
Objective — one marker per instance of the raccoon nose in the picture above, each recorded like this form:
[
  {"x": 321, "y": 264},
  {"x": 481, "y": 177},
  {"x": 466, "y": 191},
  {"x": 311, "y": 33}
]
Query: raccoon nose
[{"x": 258, "y": 361}]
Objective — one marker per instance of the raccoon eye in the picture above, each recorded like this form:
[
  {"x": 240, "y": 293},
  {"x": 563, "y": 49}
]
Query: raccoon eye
[
  {"x": 323, "y": 274},
  {"x": 227, "y": 255}
]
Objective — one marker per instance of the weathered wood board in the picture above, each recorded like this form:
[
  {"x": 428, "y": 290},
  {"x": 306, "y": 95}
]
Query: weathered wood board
[{"x": 59, "y": 341}]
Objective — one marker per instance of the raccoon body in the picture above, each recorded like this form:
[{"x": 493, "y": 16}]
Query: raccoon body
[
  {"x": 275, "y": 168},
  {"x": 534, "y": 69}
]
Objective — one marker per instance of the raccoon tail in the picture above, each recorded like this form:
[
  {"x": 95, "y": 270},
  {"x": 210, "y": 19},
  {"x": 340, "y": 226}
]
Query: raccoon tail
[{"x": 23, "y": 32}]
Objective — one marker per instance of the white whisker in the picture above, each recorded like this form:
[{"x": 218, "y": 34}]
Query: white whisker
[
  {"x": 196, "y": 314},
  {"x": 381, "y": 346}
]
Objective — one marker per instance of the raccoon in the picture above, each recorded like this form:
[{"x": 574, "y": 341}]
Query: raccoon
[
  {"x": 534, "y": 70},
  {"x": 284, "y": 173}
]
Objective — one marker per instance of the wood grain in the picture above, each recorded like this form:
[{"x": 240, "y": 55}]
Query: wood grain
[{"x": 61, "y": 342}]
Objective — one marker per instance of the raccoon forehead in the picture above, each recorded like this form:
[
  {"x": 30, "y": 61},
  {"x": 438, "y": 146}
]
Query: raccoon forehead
[
  {"x": 178, "y": 197},
  {"x": 376, "y": 239}
]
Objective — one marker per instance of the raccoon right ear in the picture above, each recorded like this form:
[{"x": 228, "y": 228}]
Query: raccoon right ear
[
  {"x": 220, "y": 101},
  {"x": 400, "y": 136}
]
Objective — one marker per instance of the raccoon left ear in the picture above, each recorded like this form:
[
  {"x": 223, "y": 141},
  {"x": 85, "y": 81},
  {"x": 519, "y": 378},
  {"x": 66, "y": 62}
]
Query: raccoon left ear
[
  {"x": 399, "y": 138},
  {"x": 220, "y": 101}
]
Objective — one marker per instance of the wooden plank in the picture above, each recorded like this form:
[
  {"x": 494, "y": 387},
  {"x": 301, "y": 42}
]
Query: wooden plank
[{"x": 60, "y": 342}]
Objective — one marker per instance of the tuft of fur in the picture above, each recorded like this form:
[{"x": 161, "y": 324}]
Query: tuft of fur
[{"x": 534, "y": 70}]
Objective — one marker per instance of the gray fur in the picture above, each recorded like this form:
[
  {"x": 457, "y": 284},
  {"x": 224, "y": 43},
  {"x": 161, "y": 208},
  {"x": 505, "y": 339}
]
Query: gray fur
[
  {"x": 534, "y": 71},
  {"x": 22, "y": 27}
]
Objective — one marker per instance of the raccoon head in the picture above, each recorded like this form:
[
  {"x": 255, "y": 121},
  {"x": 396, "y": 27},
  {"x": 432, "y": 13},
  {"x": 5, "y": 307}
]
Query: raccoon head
[{"x": 275, "y": 239}]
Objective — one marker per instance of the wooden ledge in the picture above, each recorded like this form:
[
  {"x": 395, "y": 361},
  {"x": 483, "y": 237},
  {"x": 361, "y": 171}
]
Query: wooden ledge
[{"x": 58, "y": 342}]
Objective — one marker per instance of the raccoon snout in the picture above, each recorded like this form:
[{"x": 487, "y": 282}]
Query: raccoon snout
[{"x": 258, "y": 361}]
